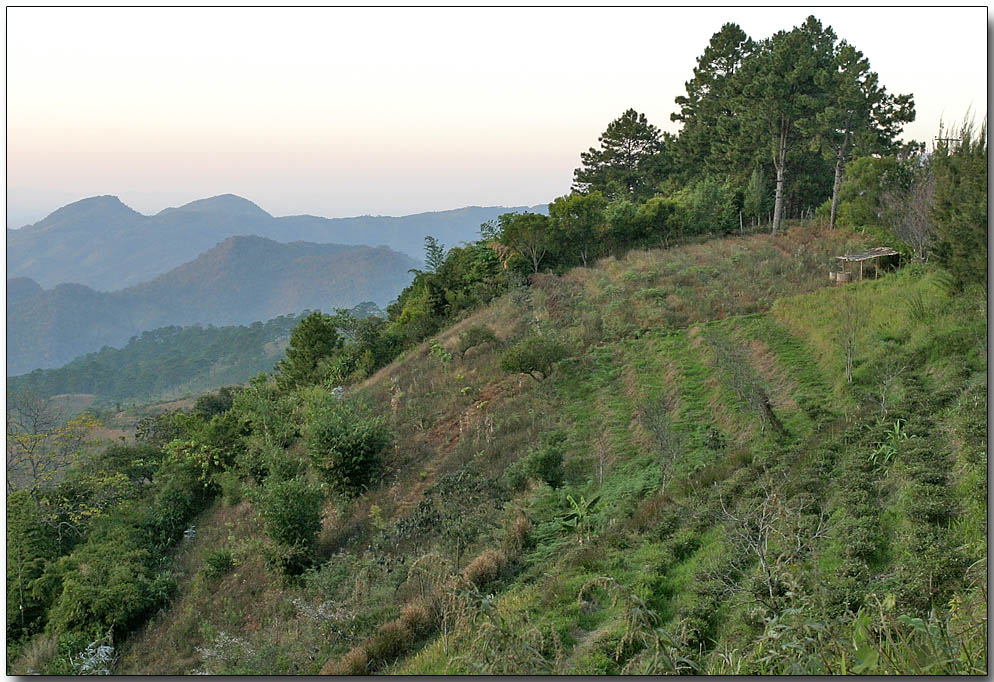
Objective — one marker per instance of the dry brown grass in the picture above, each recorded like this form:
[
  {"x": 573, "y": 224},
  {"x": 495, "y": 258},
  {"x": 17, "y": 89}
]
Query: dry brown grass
[
  {"x": 518, "y": 536},
  {"x": 36, "y": 653},
  {"x": 355, "y": 662},
  {"x": 417, "y": 618},
  {"x": 485, "y": 568}
]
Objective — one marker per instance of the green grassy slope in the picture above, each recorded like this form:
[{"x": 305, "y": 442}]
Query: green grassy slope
[{"x": 755, "y": 513}]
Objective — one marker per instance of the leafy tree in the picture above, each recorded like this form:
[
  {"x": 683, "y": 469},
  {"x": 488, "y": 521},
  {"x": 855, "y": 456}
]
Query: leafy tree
[
  {"x": 39, "y": 444},
  {"x": 860, "y": 114},
  {"x": 622, "y": 227},
  {"x": 660, "y": 218},
  {"x": 210, "y": 404},
  {"x": 867, "y": 182},
  {"x": 111, "y": 582},
  {"x": 534, "y": 356},
  {"x": 575, "y": 219},
  {"x": 316, "y": 338},
  {"x": 31, "y": 545},
  {"x": 961, "y": 207},
  {"x": 344, "y": 442},
  {"x": 757, "y": 196},
  {"x": 713, "y": 207},
  {"x": 628, "y": 162},
  {"x": 527, "y": 235}
]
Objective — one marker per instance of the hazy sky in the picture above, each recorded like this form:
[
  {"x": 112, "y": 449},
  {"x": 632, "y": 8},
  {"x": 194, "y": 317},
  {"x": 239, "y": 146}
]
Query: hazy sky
[{"x": 340, "y": 112}]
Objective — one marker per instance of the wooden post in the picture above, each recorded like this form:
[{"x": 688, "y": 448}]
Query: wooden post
[{"x": 861, "y": 271}]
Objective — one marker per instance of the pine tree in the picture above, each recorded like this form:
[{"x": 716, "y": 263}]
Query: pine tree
[
  {"x": 860, "y": 115},
  {"x": 313, "y": 340},
  {"x": 779, "y": 97},
  {"x": 629, "y": 162}
]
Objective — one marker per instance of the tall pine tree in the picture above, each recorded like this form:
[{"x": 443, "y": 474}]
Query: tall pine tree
[{"x": 628, "y": 164}]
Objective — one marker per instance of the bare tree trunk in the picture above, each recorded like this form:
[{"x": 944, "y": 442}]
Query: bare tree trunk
[
  {"x": 780, "y": 161},
  {"x": 778, "y": 204},
  {"x": 835, "y": 192},
  {"x": 837, "y": 185}
]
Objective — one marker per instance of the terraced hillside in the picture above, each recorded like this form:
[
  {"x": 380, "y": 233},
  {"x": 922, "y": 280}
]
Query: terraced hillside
[{"x": 695, "y": 487}]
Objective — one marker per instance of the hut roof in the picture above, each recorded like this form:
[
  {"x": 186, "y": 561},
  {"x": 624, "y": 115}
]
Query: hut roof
[{"x": 877, "y": 252}]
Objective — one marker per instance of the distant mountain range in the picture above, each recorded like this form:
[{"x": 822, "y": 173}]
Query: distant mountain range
[
  {"x": 239, "y": 281},
  {"x": 103, "y": 244}
]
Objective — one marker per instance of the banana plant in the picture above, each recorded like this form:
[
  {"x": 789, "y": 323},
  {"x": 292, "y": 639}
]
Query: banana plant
[{"x": 578, "y": 518}]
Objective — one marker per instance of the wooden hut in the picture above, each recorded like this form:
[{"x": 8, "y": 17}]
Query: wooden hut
[{"x": 849, "y": 262}]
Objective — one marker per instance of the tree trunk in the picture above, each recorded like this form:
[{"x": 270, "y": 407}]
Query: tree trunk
[
  {"x": 839, "y": 164},
  {"x": 779, "y": 162},
  {"x": 778, "y": 204}
]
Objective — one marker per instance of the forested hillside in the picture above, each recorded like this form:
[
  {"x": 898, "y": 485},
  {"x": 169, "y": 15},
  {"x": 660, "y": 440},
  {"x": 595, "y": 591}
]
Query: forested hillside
[
  {"x": 239, "y": 281},
  {"x": 174, "y": 361},
  {"x": 645, "y": 433}
]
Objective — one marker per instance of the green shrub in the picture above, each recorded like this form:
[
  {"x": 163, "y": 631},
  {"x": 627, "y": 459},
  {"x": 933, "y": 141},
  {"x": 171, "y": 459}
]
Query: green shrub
[
  {"x": 108, "y": 583},
  {"x": 546, "y": 463},
  {"x": 476, "y": 335},
  {"x": 217, "y": 563},
  {"x": 516, "y": 475},
  {"x": 534, "y": 356},
  {"x": 291, "y": 511},
  {"x": 231, "y": 488},
  {"x": 289, "y": 560},
  {"x": 543, "y": 464},
  {"x": 344, "y": 442}
]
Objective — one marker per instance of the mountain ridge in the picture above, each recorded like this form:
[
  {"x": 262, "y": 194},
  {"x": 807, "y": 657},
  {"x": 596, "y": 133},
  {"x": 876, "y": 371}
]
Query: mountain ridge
[
  {"x": 238, "y": 281},
  {"x": 104, "y": 244}
]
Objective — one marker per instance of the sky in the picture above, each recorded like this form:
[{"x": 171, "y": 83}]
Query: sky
[{"x": 340, "y": 112}]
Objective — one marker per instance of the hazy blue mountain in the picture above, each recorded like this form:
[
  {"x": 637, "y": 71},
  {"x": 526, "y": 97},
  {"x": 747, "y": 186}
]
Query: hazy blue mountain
[
  {"x": 105, "y": 245},
  {"x": 239, "y": 281}
]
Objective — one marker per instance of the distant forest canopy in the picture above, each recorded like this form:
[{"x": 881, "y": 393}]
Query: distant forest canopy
[{"x": 174, "y": 361}]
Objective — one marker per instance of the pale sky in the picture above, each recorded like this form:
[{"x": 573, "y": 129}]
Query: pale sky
[{"x": 341, "y": 112}]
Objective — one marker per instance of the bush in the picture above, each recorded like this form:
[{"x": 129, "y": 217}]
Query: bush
[
  {"x": 291, "y": 511},
  {"x": 389, "y": 642},
  {"x": 231, "y": 488},
  {"x": 344, "y": 442},
  {"x": 546, "y": 463},
  {"x": 476, "y": 335},
  {"x": 109, "y": 582},
  {"x": 290, "y": 560},
  {"x": 217, "y": 563},
  {"x": 534, "y": 356}
]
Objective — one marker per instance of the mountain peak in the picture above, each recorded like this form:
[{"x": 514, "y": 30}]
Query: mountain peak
[
  {"x": 102, "y": 206},
  {"x": 230, "y": 204}
]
